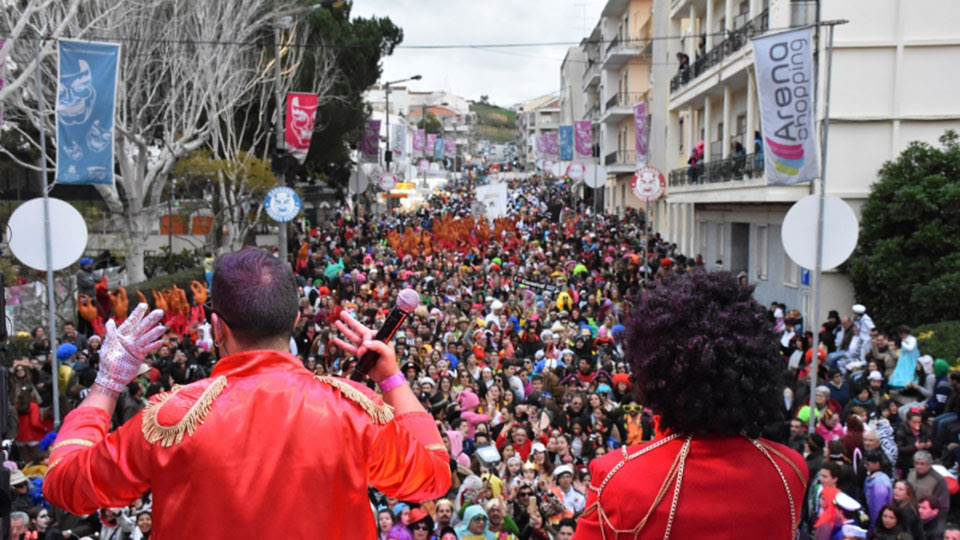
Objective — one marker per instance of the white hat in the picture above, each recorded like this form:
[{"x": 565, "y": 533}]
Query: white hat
[
  {"x": 496, "y": 305},
  {"x": 562, "y": 469},
  {"x": 538, "y": 447},
  {"x": 427, "y": 380},
  {"x": 852, "y": 530},
  {"x": 17, "y": 477},
  {"x": 859, "y": 309},
  {"x": 846, "y": 502},
  {"x": 875, "y": 376}
]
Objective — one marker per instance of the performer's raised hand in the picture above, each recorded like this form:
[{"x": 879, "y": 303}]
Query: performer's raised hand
[
  {"x": 360, "y": 340},
  {"x": 125, "y": 347}
]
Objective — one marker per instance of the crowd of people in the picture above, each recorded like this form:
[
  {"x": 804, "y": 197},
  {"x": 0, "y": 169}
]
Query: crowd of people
[{"x": 518, "y": 351}]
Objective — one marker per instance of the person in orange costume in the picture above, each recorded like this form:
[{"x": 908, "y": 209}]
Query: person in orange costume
[
  {"x": 706, "y": 362},
  {"x": 261, "y": 439}
]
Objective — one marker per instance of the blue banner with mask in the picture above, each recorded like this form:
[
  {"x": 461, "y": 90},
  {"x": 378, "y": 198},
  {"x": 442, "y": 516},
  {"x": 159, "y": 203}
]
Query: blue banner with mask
[
  {"x": 438, "y": 148},
  {"x": 86, "y": 94},
  {"x": 566, "y": 143}
]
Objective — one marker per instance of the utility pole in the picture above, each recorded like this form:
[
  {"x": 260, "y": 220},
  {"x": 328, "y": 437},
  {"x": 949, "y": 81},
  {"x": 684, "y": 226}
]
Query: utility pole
[
  {"x": 388, "y": 153},
  {"x": 282, "y": 231}
]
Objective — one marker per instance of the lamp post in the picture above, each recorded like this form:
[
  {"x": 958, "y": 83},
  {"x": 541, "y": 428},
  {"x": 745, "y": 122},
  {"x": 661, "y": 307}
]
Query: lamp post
[{"x": 388, "y": 153}]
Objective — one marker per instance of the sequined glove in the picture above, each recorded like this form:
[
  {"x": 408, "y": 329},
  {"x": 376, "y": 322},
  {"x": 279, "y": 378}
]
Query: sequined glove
[{"x": 124, "y": 348}]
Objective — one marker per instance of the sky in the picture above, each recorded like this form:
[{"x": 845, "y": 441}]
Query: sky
[{"x": 507, "y": 75}]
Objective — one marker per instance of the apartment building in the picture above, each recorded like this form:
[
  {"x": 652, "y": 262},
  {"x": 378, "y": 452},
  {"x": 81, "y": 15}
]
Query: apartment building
[
  {"x": 535, "y": 118},
  {"x": 889, "y": 88}
]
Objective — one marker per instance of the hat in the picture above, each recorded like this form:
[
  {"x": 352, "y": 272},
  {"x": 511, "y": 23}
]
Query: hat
[
  {"x": 846, "y": 502},
  {"x": 66, "y": 351},
  {"x": 859, "y": 309},
  {"x": 849, "y": 530},
  {"x": 418, "y": 514},
  {"x": 538, "y": 447},
  {"x": 85, "y": 261},
  {"x": 875, "y": 376},
  {"x": 427, "y": 380},
  {"x": 144, "y": 369},
  {"x": 604, "y": 389},
  {"x": 94, "y": 337},
  {"x": 563, "y": 469},
  {"x": 17, "y": 477}
]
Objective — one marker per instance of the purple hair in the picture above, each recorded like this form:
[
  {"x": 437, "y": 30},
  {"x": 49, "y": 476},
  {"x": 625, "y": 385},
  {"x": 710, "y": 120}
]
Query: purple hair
[
  {"x": 702, "y": 359},
  {"x": 254, "y": 294},
  {"x": 399, "y": 532}
]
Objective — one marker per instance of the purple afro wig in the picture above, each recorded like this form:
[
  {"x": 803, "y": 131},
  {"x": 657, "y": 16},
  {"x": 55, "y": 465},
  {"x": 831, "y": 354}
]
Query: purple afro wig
[{"x": 704, "y": 357}]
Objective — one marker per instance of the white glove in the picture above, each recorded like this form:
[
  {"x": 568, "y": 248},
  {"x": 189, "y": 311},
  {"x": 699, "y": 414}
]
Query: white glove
[{"x": 125, "y": 348}]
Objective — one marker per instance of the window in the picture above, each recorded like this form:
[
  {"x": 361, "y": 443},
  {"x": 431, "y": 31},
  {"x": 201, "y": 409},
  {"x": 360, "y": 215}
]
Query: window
[
  {"x": 741, "y": 124},
  {"x": 791, "y": 272},
  {"x": 762, "y": 252}
]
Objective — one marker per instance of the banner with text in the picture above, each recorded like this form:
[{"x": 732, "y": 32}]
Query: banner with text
[
  {"x": 784, "y": 66},
  {"x": 438, "y": 148},
  {"x": 566, "y": 143},
  {"x": 640, "y": 131},
  {"x": 450, "y": 147},
  {"x": 431, "y": 144},
  {"x": 86, "y": 92},
  {"x": 551, "y": 147},
  {"x": 583, "y": 135},
  {"x": 419, "y": 137},
  {"x": 298, "y": 131},
  {"x": 370, "y": 145},
  {"x": 398, "y": 141}
]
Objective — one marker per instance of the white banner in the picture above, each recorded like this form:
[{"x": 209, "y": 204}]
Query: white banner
[
  {"x": 398, "y": 141},
  {"x": 784, "y": 66},
  {"x": 493, "y": 197}
]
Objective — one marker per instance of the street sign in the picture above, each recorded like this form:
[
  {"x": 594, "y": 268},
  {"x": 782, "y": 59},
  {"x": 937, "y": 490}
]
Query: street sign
[
  {"x": 68, "y": 234},
  {"x": 387, "y": 181},
  {"x": 799, "y": 231},
  {"x": 576, "y": 170},
  {"x": 648, "y": 184},
  {"x": 805, "y": 276},
  {"x": 282, "y": 204}
]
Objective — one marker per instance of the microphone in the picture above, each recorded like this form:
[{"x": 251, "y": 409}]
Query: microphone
[{"x": 407, "y": 301}]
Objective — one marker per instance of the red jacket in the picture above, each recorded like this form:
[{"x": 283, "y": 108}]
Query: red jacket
[
  {"x": 261, "y": 437},
  {"x": 32, "y": 427},
  {"x": 730, "y": 491}
]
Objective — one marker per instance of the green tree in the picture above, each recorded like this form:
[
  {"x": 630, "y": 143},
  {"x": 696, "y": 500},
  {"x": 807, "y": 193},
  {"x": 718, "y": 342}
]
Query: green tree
[
  {"x": 433, "y": 125},
  {"x": 906, "y": 267},
  {"x": 360, "y": 44}
]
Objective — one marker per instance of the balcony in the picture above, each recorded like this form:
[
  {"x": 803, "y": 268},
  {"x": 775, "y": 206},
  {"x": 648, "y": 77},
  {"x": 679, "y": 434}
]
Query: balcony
[
  {"x": 736, "y": 40},
  {"x": 731, "y": 169},
  {"x": 621, "y": 161},
  {"x": 591, "y": 75},
  {"x": 619, "y": 51},
  {"x": 592, "y": 113},
  {"x": 620, "y": 105}
]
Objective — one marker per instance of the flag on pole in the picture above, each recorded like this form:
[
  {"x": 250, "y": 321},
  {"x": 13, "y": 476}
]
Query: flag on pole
[
  {"x": 450, "y": 147},
  {"x": 566, "y": 143},
  {"x": 640, "y": 131},
  {"x": 301, "y": 113},
  {"x": 398, "y": 141},
  {"x": 784, "y": 67},
  {"x": 550, "y": 145},
  {"x": 419, "y": 137},
  {"x": 431, "y": 144},
  {"x": 438, "y": 147},
  {"x": 370, "y": 145},
  {"x": 583, "y": 136},
  {"x": 86, "y": 93}
]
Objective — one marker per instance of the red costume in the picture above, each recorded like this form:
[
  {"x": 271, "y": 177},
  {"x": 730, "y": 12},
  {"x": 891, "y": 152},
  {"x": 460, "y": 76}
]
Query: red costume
[
  {"x": 730, "y": 488},
  {"x": 261, "y": 448}
]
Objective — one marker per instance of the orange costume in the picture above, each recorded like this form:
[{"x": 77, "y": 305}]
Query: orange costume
[
  {"x": 262, "y": 448},
  {"x": 730, "y": 488}
]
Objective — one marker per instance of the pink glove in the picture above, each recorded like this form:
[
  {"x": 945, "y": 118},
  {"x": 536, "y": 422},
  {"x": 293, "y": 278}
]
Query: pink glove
[{"x": 125, "y": 348}]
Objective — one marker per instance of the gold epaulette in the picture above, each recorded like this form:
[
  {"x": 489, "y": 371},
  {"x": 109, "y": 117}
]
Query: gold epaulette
[
  {"x": 154, "y": 431},
  {"x": 381, "y": 413}
]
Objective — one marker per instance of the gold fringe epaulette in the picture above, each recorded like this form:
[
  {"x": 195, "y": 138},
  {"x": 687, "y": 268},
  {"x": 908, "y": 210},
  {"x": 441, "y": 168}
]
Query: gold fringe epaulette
[
  {"x": 153, "y": 431},
  {"x": 381, "y": 414}
]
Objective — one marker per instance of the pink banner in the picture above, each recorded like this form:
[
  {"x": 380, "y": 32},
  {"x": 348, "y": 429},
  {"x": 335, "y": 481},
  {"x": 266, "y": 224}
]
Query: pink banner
[
  {"x": 551, "y": 147},
  {"x": 370, "y": 145},
  {"x": 640, "y": 131},
  {"x": 449, "y": 147},
  {"x": 583, "y": 138},
  {"x": 301, "y": 113},
  {"x": 418, "y": 138},
  {"x": 431, "y": 141}
]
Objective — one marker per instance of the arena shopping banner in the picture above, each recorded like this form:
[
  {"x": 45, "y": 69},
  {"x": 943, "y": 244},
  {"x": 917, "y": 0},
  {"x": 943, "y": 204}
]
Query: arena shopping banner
[
  {"x": 566, "y": 143},
  {"x": 370, "y": 145},
  {"x": 86, "y": 102},
  {"x": 640, "y": 131},
  {"x": 784, "y": 66},
  {"x": 583, "y": 135},
  {"x": 301, "y": 113},
  {"x": 398, "y": 141}
]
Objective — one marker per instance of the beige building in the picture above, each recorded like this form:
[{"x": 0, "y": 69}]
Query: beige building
[
  {"x": 891, "y": 85},
  {"x": 535, "y": 118}
]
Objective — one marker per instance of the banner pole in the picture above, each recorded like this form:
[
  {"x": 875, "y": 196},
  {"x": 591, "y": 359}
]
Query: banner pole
[
  {"x": 281, "y": 181},
  {"x": 818, "y": 274},
  {"x": 51, "y": 309},
  {"x": 646, "y": 243}
]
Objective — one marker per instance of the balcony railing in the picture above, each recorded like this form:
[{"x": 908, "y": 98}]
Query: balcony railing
[
  {"x": 735, "y": 41},
  {"x": 625, "y": 99},
  {"x": 613, "y": 44},
  {"x": 733, "y": 168},
  {"x": 621, "y": 157},
  {"x": 591, "y": 113}
]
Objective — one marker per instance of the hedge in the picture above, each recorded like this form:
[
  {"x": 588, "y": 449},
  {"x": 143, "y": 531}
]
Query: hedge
[{"x": 940, "y": 340}]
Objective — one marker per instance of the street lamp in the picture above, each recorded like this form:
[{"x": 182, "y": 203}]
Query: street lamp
[{"x": 388, "y": 153}]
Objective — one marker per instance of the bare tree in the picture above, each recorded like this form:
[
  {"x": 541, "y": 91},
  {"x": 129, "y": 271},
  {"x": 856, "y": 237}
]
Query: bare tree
[{"x": 185, "y": 68}]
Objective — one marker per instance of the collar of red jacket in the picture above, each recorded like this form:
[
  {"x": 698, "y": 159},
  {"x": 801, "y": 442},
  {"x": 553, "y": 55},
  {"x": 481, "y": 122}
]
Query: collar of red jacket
[{"x": 256, "y": 362}]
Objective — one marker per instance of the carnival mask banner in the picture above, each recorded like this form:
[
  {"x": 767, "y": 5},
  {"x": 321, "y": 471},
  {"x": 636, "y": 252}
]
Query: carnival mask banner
[
  {"x": 784, "y": 66},
  {"x": 438, "y": 148},
  {"x": 566, "y": 143},
  {"x": 583, "y": 138},
  {"x": 370, "y": 145},
  {"x": 86, "y": 94},
  {"x": 449, "y": 147},
  {"x": 431, "y": 144},
  {"x": 640, "y": 131},
  {"x": 398, "y": 140},
  {"x": 418, "y": 140},
  {"x": 301, "y": 114},
  {"x": 551, "y": 148}
]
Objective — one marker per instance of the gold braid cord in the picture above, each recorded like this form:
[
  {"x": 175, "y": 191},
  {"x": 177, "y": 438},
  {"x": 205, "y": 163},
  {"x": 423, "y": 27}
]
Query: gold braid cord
[
  {"x": 675, "y": 477},
  {"x": 381, "y": 414},
  {"x": 71, "y": 442},
  {"x": 153, "y": 431}
]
